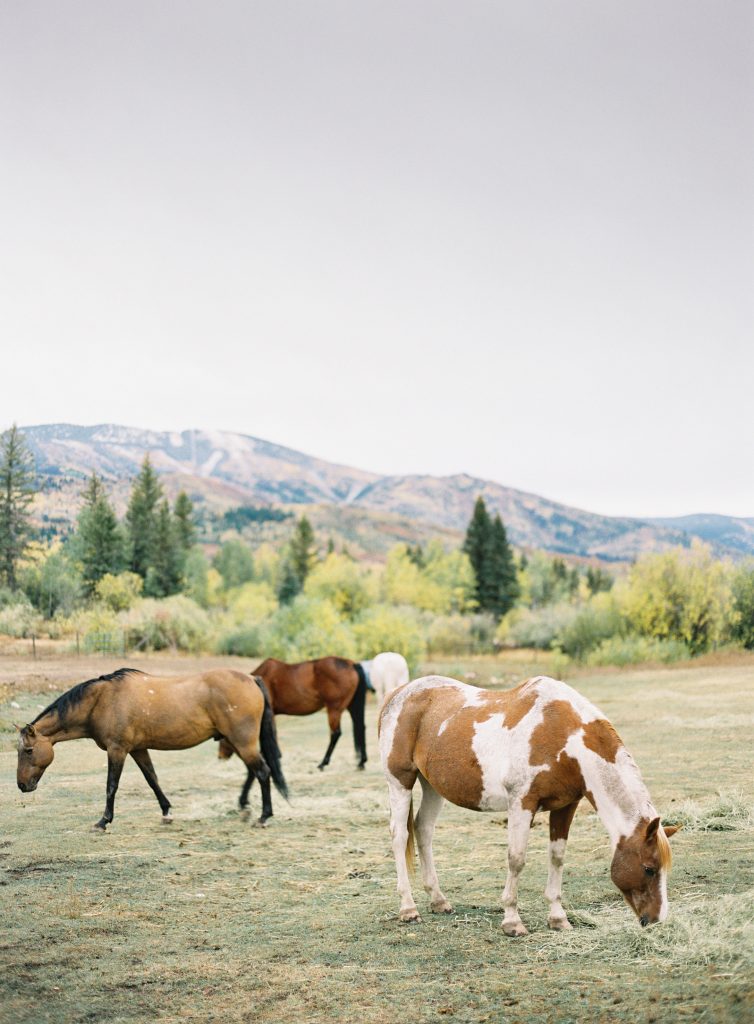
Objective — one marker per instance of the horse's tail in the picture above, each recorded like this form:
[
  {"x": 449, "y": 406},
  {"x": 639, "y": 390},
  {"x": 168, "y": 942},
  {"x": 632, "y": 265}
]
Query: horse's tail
[
  {"x": 268, "y": 741},
  {"x": 356, "y": 711},
  {"x": 410, "y": 846}
]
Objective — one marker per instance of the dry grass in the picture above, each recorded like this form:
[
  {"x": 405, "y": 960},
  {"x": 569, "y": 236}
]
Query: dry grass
[{"x": 210, "y": 919}]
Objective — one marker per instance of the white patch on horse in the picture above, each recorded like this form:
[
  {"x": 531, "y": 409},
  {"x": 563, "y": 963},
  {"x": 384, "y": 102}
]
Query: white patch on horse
[
  {"x": 663, "y": 895},
  {"x": 443, "y": 727}
]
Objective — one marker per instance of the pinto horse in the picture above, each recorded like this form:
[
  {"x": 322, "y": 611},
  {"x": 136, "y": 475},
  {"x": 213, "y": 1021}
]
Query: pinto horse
[
  {"x": 541, "y": 746},
  {"x": 130, "y": 712},
  {"x": 333, "y": 683}
]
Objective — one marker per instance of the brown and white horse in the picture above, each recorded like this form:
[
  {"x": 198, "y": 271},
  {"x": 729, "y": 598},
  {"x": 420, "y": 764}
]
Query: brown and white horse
[{"x": 541, "y": 746}]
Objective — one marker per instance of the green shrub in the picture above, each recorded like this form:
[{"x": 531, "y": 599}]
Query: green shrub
[
  {"x": 461, "y": 634},
  {"x": 632, "y": 649},
  {"x": 597, "y": 620},
  {"x": 119, "y": 592},
  {"x": 535, "y": 627},
  {"x": 247, "y": 642},
  {"x": 20, "y": 620},
  {"x": 306, "y": 628},
  {"x": 175, "y": 622},
  {"x": 388, "y": 628}
]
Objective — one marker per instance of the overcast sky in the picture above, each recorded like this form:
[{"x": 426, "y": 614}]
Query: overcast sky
[{"x": 509, "y": 239}]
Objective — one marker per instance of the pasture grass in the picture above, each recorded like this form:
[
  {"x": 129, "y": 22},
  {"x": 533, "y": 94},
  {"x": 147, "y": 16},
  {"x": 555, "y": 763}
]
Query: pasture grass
[{"x": 210, "y": 919}]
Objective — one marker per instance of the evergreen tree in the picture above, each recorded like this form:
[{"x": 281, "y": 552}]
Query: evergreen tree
[
  {"x": 501, "y": 570},
  {"x": 301, "y": 550},
  {"x": 98, "y": 541},
  {"x": 492, "y": 560},
  {"x": 290, "y": 584},
  {"x": 141, "y": 519},
  {"x": 185, "y": 527},
  {"x": 164, "y": 573},
  {"x": 235, "y": 563},
  {"x": 16, "y": 495}
]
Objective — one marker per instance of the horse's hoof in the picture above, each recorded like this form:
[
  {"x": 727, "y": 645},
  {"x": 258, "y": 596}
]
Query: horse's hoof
[
  {"x": 410, "y": 916},
  {"x": 321, "y": 767},
  {"x": 99, "y": 827},
  {"x": 260, "y": 823},
  {"x": 360, "y": 767},
  {"x": 441, "y": 907},
  {"x": 559, "y": 924},
  {"x": 515, "y": 929},
  {"x": 167, "y": 819},
  {"x": 244, "y": 814}
]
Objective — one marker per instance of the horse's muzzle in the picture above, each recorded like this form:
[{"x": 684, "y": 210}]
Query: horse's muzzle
[
  {"x": 27, "y": 787},
  {"x": 646, "y": 920}
]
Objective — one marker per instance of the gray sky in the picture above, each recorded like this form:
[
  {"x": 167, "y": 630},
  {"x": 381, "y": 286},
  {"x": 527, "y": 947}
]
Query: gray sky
[{"x": 510, "y": 239}]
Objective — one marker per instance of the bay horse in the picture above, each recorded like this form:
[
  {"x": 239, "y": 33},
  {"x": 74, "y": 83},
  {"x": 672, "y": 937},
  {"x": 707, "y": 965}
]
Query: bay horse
[
  {"x": 130, "y": 712},
  {"x": 541, "y": 746},
  {"x": 301, "y": 689}
]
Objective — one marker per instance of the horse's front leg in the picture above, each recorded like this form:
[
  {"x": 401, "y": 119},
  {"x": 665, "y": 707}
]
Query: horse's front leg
[
  {"x": 144, "y": 761},
  {"x": 115, "y": 759},
  {"x": 560, "y": 823},
  {"x": 519, "y": 823},
  {"x": 333, "y": 720}
]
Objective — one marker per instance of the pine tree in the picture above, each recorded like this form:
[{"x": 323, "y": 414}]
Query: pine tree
[
  {"x": 301, "y": 549},
  {"x": 164, "y": 573},
  {"x": 491, "y": 557},
  {"x": 16, "y": 495},
  {"x": 141, "y": 519},
  {"x": 289, "y": 585},
  {"x": 501, "y": 570},
  {"x": 185, "y": 526},
  {"x": 98, "y": 541}
]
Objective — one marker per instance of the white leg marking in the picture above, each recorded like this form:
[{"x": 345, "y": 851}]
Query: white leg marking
[
  {"x": 519, "y": 823},
  {"x": 400, "y": 805},
  {"x": 557, "y": 917},
  {"x": 431, "y": 806}
]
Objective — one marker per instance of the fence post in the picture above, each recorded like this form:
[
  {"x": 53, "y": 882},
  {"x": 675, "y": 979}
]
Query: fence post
[
  {"x": 34, "y": 646},
  {"x": 78, "y": 645}
]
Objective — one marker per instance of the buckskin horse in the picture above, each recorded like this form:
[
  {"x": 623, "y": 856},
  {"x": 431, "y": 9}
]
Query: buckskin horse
[
  {"x": 130, "y": 712},
  {"x": 333, "y": 683},
  {"x": 541, "y": 746}
]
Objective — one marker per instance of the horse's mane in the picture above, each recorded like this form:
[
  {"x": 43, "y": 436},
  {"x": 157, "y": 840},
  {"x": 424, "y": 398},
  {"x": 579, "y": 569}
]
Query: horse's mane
[
  {"x": 68, "y": 700},
  {"x": 664, "y": 852}
]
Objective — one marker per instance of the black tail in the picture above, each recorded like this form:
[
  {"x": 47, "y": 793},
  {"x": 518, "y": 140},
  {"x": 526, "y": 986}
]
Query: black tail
[
  {"x": 268, "y": 741},
  {"x": 356, "y": 711}
]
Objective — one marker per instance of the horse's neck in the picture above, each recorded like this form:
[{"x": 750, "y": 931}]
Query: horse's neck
[
  {"x": 73, "y": 727},
  {"x": 618, "y": 793}
]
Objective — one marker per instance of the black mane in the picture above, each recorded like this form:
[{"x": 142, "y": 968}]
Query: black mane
[{"x": 68, "y": 700}]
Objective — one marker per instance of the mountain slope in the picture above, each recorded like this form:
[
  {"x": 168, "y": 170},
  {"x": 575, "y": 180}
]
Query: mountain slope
[{"x": 220, "y": 469}]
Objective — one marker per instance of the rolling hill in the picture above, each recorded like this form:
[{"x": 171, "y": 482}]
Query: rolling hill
[{"x": 220, "y": 470}]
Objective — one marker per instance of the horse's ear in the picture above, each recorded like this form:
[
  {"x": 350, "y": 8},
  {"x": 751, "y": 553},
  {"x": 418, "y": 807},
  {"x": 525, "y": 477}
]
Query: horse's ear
[
  {"x": 670, "y": 830},
  {"x": 30, "y": 731},
  {"x": 651, "y": 833}
]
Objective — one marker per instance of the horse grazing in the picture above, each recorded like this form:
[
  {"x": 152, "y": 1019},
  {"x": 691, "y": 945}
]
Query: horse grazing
[
  {"x": 130, "y": 712},
  {"x": 333, "y": 683},
  {"x": 386, "y": 672},
  {"x": 541, "y": 746}
]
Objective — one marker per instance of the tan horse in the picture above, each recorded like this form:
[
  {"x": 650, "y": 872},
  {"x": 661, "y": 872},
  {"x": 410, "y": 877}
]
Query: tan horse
[
  {"x": 130, "y": 712},
  {"x": 541, "y": 746},
  {"x": 301, "y": 689}
]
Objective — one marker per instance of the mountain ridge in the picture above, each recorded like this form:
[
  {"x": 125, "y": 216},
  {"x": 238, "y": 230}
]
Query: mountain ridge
[{"x": 223, "y": 468}]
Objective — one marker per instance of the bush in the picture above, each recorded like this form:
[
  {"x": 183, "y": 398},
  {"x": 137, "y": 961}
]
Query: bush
[
  {"x": 171, "y": 622},
  {"x": 387, "y": 628},
  {"x": 597, "y": 620},
  {"x": 248, "y": 642},
  {"x": 119, "y": 592},
  {"x": 20, "y": 620},
  {"x": 307, "y": 628},
  {"x": 632, "y": 649},
  {"x": 535, "y": 627},
  {"x": 461, "y": 634}
]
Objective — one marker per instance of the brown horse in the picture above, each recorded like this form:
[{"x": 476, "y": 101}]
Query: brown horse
[
  {"x": 541, "y": 746},
  {"x": 335, "y": 683},
  {"x": 130, "y": 712}
]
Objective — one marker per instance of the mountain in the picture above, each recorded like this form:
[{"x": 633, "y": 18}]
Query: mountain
[{"x": 220, "y": 470}]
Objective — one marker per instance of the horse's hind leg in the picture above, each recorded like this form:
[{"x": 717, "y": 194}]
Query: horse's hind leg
[
  {"x": 400, "y": 830},
  {"x": 431, "y": 806},
  {"x": 144, "y": 761},
  {"x": 256, "y": 768},
  {"x": 333, "y": 720},
  {"x": 115, "y": 761},
  {"x": 356, "y": 711},
  {"x": 560, "y": 823},
  {"x": 519, "y": 823}
]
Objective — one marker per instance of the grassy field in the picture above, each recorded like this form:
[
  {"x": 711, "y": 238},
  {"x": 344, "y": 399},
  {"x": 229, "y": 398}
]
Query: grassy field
[{"x": 212, "y": 920}]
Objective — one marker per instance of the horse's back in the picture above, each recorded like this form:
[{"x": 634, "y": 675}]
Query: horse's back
[
  {"x": 477, "y": 747},
  {"x": 388, "y": 671}
]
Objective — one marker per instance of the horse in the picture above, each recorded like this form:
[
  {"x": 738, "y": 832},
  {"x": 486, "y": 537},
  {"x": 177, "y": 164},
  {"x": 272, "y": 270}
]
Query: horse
[
  {"x": 386, "y": 672},
  {"x": 131, "y": 712},
  {"x": 335, "y": 683},
  {"x": 540, "y": 746}
]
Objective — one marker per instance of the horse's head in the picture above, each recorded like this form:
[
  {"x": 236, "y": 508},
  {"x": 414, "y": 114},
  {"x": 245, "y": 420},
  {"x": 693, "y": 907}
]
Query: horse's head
[
  {"x": 35, "y": 753},
  {"x": 640, "y": 870}
]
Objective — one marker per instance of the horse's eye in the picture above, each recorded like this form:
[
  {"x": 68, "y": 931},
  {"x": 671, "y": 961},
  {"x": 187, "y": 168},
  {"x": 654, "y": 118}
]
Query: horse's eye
[{"x": 650, "y": 871}]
